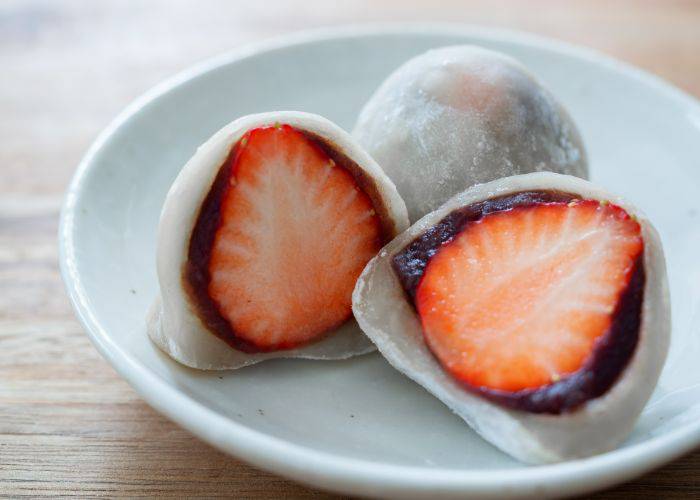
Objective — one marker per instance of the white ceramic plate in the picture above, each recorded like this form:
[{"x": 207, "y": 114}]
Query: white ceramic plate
[{"x": 358, "y": 426}]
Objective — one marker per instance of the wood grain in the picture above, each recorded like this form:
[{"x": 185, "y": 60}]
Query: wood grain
[{"x": 68, "y": 424}]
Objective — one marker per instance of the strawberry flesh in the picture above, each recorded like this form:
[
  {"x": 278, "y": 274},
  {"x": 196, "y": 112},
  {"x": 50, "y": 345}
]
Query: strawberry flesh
[
  {"x": 484, "y": 346},
  {"x": 280, "y": 240},
  {"x": 411, "y": 261}
]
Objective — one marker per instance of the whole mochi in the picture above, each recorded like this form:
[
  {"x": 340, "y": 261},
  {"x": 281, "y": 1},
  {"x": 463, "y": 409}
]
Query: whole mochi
[{"x": 463, "y": 115}]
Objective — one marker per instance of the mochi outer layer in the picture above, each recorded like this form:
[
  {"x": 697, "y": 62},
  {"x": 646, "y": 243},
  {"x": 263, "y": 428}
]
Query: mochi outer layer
[
  {"x": 457, "y": 116},
  {"x": 173, "y": 324},
  {"x": 384, "y": 313}
]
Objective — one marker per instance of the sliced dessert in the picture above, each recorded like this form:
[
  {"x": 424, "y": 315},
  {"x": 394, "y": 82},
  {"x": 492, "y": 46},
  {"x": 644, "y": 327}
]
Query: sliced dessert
[
  {"x": 535, "y": 306},
  {"x": 261, "y": 241}
]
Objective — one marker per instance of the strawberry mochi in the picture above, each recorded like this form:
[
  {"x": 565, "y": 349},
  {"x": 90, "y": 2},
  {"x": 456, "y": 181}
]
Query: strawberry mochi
[
  {"x": 461, "y": 115},
  {"x": 536, "y": 307},
  {"x": 261, "y": 239}
]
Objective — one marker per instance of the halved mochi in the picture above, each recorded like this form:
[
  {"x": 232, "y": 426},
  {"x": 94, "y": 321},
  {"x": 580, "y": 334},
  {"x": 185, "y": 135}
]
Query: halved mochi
[
  {"x": 536, "y": 307},
  {"x": 261, "y": 240},
  {"x": 456, "y": 116}
]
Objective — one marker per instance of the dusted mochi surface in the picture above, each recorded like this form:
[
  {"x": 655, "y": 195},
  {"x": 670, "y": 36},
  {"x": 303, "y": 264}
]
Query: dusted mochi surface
[
  {"x": 386, "y": 316},
  {"x": 457, "y": 116},
  {"x": 173, "y": 324}
]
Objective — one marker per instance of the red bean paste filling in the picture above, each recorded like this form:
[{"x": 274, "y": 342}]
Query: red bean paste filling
[
  {"x": 195, "y": 273},
  {"x": 612, "y": 351}
]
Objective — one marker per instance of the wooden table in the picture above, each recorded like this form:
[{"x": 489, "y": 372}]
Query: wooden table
[{"x": 68, "y": 423}]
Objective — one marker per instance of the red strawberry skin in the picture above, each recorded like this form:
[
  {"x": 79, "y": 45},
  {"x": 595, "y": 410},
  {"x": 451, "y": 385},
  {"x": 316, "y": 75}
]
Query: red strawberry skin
[
  {"x": 280, "y": 241},
  {"x": 513, "y": 383}
]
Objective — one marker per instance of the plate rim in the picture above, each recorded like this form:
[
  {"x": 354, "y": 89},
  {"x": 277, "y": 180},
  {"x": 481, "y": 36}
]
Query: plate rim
[{"x": 319, "y": 468}]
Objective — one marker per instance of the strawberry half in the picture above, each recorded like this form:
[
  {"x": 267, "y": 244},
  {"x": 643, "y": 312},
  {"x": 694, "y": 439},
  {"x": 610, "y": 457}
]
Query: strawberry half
[
  {"x": 538, "y": 295},
  {"x": 293, "y": 232}
]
